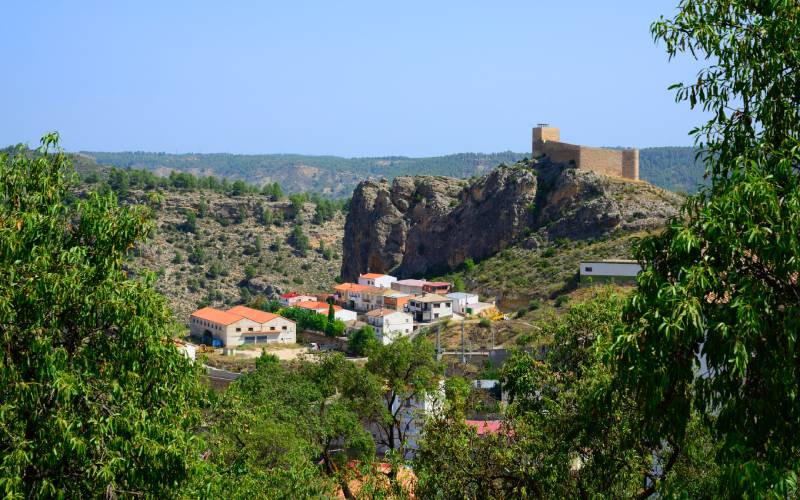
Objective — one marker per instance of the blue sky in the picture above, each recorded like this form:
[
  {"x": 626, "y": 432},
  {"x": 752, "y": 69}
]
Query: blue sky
[{"x": 345, "y": 78}]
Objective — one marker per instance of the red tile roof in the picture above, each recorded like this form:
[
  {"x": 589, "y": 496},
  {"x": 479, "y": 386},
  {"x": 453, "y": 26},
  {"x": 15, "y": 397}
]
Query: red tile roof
[
  {"x": 355, "y": 287},
  {"x": 436, "y": 283},
  {"x": 310, "y": 304},
  {"x": 371, "y": 275},
  {"x": 347, "y": 286},
  {"x": 253, "y": 314},
  {"x": 217, "y": 316},
  {"x": 289, "y": 295}
]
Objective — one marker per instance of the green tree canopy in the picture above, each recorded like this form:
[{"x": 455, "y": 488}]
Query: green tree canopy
[
  {"x": 410, "y": 372},
  {"x": 361, "y": 339},
  {"x": 94, "y": 397},
  {"x": 713, "y": 325}
]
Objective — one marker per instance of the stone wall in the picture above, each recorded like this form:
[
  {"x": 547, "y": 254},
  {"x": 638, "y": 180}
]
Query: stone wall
[
  {"x": 559, "y": 152},
  {"x": 630, "y": 164},
  {"x": 541, "y": 134},
  {"x": 602, "y": 161},
  {"x": 617, "y": 163}
]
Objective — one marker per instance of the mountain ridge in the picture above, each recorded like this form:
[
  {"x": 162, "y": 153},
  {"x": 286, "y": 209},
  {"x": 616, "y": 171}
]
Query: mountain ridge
[{"x": 669, "y": 167}]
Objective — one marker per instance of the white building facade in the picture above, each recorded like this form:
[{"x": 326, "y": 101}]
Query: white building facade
[
  {"x": 379, "y": 280},
  {"x": 390, "y": 325},
  {"x": 609, "y": 271},
  {"x": 462, "y": 301},
  {"x": 430, "y": 307},
  {"x": 242, "y": 325}
]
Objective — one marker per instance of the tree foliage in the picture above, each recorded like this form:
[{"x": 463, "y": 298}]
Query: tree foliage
[
  {"x": 360, "y": 340},
  {"x": 410, "y": 372},
  {"x": 568, "y": 431},
  {"x": 95, "y": 397},
  {"x": 713, "y": 325},
  {"x": 308, "y": 319},
  {"x": 286, "y": 431}
]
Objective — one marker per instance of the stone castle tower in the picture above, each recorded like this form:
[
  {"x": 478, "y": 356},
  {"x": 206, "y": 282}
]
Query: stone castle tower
[{"x": 617, "y": 163}]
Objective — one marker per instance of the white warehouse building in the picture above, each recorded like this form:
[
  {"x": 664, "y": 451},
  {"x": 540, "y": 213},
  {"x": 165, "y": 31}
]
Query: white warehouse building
[{"x": 604, "y": 271}]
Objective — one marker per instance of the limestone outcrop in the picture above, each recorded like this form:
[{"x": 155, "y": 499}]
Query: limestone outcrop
[{"x": 418, "y": 226}]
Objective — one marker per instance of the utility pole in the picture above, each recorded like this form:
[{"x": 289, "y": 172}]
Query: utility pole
[
  {"x": 438, "y": 342},
  {"x": 463, "y": 353}
]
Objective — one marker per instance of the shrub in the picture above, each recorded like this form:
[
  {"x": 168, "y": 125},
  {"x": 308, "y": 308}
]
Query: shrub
[
  {"x": 361, "y": 339},
  {"x": 469, "y": 265},
  {"x": 249, "y": 272}
]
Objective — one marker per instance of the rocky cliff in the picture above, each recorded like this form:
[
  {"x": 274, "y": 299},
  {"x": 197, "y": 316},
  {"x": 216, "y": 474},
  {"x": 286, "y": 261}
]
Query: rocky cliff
[{"x": 417, "y": 226}]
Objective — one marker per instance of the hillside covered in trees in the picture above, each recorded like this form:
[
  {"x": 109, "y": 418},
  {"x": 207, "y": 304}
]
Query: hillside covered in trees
[{"x": 671, "y": 168}]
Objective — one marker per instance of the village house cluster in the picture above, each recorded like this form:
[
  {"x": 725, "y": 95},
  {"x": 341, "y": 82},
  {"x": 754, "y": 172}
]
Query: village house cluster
[{"x": 394, "y": 308}]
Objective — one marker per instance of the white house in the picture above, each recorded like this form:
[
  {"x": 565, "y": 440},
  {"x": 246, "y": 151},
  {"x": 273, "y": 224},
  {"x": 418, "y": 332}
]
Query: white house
[
  {"x": 366, "y": 297},
  {"x": 430, "y": 307},
  {"x": 322, "y": 308},
  {"x": 241, "y": 325},
  {"x": 390, "y": 325},
  {"x": 462, "y": 301},
  {"x": 379, "y": 280},
  {"x": 603, "y": 271},
  {"x": 291, "y": 298}
]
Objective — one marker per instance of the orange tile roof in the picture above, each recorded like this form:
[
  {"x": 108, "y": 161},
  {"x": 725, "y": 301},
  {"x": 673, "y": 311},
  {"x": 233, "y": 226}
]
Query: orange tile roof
[
  {"x": 253, "y": 314},
  {"x": 310, "y": 304},
  {"x": 355, "y": 287},
  {"x": 371, "y": 275},
  {"x": 377, "y": 313},
  {"x": 345, "y": 286},
  {"x": 217, "y": 316}
]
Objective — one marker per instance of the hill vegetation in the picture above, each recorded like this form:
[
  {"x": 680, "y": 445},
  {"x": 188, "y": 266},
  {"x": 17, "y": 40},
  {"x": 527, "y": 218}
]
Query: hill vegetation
[
  {"x": 671, "y": 168},
  {"x": 211, "y": 248}
]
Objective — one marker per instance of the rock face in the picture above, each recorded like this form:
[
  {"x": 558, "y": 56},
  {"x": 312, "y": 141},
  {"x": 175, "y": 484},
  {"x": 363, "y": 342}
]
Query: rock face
[{"x": 418, "y": 226}]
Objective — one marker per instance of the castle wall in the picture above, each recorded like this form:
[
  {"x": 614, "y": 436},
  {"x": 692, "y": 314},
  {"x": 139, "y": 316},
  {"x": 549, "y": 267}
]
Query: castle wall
[
  {"x": 630, "y": 164},
  {"x": 617, "y": 163},
  {"x": 602, "y": 161},
  {"x": 559, "y": 152},
  {"x": 546, "y": 134}
]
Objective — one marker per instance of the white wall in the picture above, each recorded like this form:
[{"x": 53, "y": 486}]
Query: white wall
[
  {"x": 273, "y": 329},
  {"x": 460, "y": 304},
  {"x": 384, "y": 281},
  {"x": 609, "y": 269},
  {"x": 345, "y": 315},
  {"x": 396, "y": 325}
]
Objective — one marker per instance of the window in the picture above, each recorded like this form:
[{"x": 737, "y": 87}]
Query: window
[
  {"x": 283, "y": 327},
  {"x": 250, "y": 340},
  {"x": 272, "y": 328},
  {"x": 250, "y": 329},
  {"x": 587, "y": 269},
  {"x": 238, "y": 329}
]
